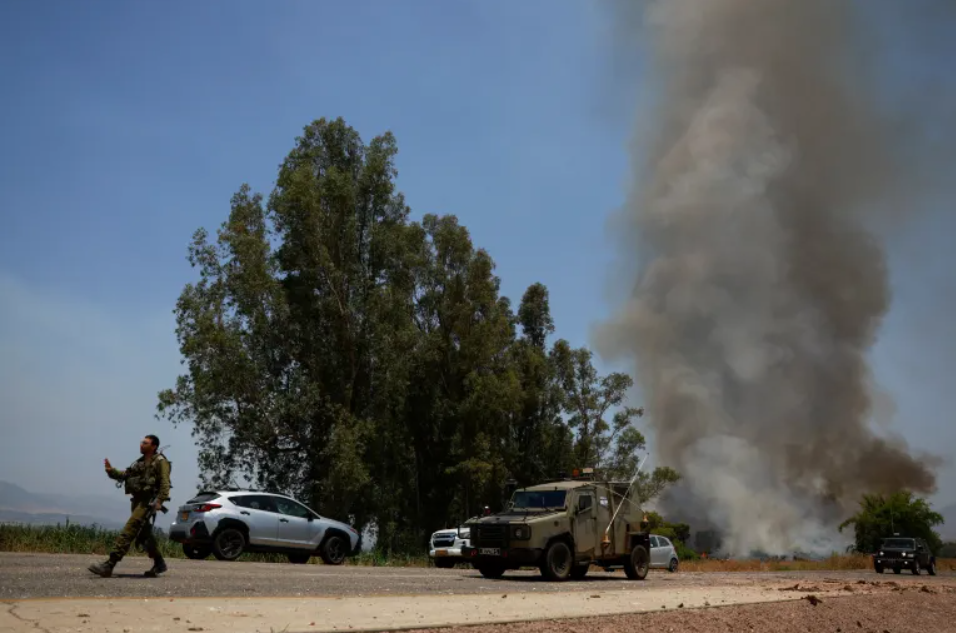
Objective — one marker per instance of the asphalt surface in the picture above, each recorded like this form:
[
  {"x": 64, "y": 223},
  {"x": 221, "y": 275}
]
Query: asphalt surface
[{"x": 24, "y": 576}]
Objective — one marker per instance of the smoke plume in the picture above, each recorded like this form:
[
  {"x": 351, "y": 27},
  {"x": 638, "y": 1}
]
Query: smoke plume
[{"x": 763, "y": 179}]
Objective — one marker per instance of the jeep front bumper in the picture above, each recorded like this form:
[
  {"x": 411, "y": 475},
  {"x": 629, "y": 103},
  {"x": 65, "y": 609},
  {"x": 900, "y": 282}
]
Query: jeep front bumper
[
  {"x": 894, "y": 563},
  {"x": 511, "y": 556}
]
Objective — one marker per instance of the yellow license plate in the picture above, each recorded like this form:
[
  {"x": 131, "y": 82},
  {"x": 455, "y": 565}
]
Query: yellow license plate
[
  {"x": 441, "y": 552},
  {"x": 183, "y": 516}
]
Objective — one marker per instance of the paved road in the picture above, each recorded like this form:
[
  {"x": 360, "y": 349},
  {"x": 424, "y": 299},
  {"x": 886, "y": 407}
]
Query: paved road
[{"x": 57, "y": 576}]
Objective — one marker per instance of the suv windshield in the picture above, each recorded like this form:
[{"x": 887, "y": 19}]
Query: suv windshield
[
  {"x": 528, "y": 499},
  {"x": 899, "y": 543}
]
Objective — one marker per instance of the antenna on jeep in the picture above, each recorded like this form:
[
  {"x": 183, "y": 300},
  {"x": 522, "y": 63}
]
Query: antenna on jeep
[{"x": 606, "y": 540}]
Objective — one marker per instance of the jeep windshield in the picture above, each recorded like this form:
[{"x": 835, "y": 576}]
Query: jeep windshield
[
  {"x": 899, "y": 543},
  {"x": 539, "y": 499}
]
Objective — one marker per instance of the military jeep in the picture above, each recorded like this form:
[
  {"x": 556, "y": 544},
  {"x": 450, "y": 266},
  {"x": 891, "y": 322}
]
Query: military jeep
[{"x": 562, "y": 528}]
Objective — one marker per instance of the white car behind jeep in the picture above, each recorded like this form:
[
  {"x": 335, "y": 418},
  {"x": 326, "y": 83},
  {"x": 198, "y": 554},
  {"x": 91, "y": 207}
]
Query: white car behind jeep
[
  {"x": 227, "y": 523},
  {"x": 445, "y": 547}
]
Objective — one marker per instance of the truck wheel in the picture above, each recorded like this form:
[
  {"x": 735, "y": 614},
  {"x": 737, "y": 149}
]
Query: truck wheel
[
  {"x": 444, "y": 563},
  {"x": 580, "y": 571},
  {"x": 932, "y": 568},
  {"x": 557, "y": 562},
  {"x": 491, "y": 570},
  {"x": 636, "y": 565},
  {"x": 196, "y": 552},
  {"x": 228, "y": 544}
]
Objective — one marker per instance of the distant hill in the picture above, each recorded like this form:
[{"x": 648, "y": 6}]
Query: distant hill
[{"x": 18, "y": 505}]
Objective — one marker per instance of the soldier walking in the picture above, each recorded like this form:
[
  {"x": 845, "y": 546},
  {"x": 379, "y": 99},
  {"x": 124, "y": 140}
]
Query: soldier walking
[{"x": 147, "y": 482}]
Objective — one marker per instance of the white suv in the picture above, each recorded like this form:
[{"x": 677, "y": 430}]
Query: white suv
[
  {"x": 445, "y": 547},
  {"x": 227, "y": 523}
]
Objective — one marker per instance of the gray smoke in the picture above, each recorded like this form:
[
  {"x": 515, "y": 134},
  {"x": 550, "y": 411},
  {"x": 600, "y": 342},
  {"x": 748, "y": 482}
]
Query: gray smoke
[{"x": 763, "y": 179}]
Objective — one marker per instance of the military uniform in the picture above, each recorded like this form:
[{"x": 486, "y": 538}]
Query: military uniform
[{"x": 145, "y": 483}]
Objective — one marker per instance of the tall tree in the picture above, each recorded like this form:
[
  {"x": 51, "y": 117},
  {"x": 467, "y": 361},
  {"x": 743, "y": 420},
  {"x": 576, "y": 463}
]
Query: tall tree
[
  {"x": 463, "y": 395},
  {"x": 296, "y": 355},
  {"x": 541, "y": 443}
]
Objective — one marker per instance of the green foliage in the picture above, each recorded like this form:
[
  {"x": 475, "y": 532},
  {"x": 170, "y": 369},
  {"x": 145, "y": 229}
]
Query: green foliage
[
  {"x": 368, "y": 364},
  {"x": 900, "y": 513},
  {"x": 948, "y": 550},
  {"x": 678, "y": 533}
]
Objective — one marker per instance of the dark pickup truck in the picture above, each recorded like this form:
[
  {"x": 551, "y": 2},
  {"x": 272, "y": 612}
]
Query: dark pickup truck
[{"x": 898, "y": 552}]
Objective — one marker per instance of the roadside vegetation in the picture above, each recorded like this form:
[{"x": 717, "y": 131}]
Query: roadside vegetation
[
  {"x": 80, "y": 539},
  {"x": 89, "y": 540}
]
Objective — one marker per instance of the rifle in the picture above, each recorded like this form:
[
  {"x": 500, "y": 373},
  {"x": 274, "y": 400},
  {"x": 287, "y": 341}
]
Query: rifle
[{"x": 147, "y": 526}]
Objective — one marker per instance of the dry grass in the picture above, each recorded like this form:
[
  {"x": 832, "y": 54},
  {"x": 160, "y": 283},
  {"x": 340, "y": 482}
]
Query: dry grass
[{"x": 834, "y": 563}]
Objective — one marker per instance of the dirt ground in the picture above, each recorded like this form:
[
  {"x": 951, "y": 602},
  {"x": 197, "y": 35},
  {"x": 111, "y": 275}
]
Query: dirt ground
[{"x": 863, "y": 607}]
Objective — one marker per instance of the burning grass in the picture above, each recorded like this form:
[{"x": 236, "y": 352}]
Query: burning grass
[{"x": 848, "y": 562}]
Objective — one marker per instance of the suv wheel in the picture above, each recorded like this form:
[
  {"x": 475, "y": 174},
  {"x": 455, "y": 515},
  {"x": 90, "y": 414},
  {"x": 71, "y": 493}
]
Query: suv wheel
[
  {"x": 228, "y": 544},
  {"x": 915, "y": 568},
  {"x": 878, "y": 568},
  {"x": 334, "y": 550},
  {"x": 196, "y": 552},
  {"x": 931, "y": 570},
  {"x": 299, "y": 559},
  {"x": 636, "y": 565},
  {"x": 558, "y": 562}
]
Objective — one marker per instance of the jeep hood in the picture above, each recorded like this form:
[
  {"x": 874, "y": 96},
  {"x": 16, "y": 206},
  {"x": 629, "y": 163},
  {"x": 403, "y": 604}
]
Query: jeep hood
[{"x": 518, "y": 516}]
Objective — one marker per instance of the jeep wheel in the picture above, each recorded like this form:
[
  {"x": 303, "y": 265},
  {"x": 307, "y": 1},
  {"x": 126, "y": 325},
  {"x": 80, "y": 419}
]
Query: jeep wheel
[
  {"x": 444, "y": 563},
  {"x": 636, "y": 565},
  {"x": 228, "y": 544},
  {"x": 334, "y": 550},
  {"x": 194, "y": 552},
  {"x": 299, "y": 559},
  {"x": 915, "y": 568},
  {"x": 491, "y": 570},
  {"x": 878, "y": 568},
  {"x": 558, "y": 562},
  {"x": 897, "y": 570},
  {"x": 931, "y": 570},
  {"x": 580, "y": 571},
  {"x": 673, "y": 565}
]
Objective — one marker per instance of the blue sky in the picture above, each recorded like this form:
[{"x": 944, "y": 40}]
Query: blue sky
[{"x": 126, "y": 126}]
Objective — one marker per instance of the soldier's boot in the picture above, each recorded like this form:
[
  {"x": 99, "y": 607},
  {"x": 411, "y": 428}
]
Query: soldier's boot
[
  {"x": 105, "y": 569},
  {"x": 159, "y": 566}
]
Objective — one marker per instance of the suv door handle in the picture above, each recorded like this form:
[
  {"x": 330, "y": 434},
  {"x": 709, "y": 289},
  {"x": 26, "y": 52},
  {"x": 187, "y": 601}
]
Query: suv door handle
[
  {"x": 243, "y": 512},
  {"x": 283, "y": 520}
]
